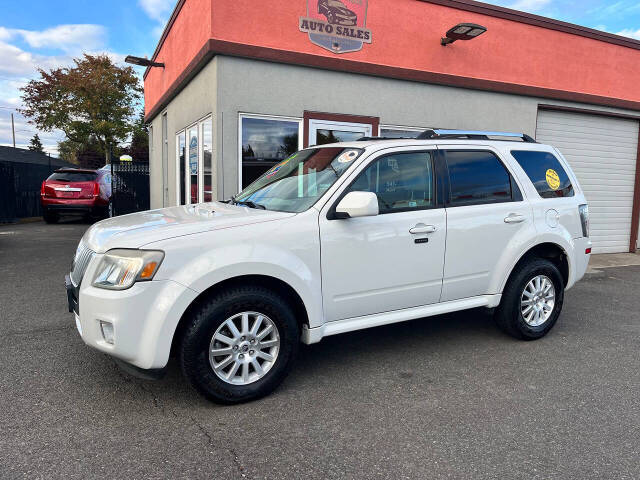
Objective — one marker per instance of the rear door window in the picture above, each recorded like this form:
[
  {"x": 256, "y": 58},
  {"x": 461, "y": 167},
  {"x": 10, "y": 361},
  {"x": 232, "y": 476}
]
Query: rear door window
[
  {"x": 545, "y": 172},
  {"x": 73, "y": 176},
  {"x": 479, "y": 177}
]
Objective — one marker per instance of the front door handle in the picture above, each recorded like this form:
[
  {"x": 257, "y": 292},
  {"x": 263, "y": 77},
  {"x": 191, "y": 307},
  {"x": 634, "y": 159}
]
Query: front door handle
[
  {"x": 514, "y": 218},
  {"x": 422, "y": 228}
]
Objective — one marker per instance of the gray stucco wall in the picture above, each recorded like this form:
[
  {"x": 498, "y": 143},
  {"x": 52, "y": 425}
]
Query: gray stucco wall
[
  {"x": 193, "y": 103},
  {"x": 229, "y": 86}
]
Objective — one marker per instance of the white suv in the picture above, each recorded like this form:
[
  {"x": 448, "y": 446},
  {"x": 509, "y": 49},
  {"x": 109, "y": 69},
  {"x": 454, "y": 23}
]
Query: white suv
[{"x": 335, "y": 238}]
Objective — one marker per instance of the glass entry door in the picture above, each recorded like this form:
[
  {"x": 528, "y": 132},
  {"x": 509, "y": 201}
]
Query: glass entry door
[
  {"x": 322, "y": 132},
  {"x": 195, "y": 163}
]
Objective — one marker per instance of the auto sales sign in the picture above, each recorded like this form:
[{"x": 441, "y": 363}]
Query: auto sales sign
[{"x": 337, "y": 25}]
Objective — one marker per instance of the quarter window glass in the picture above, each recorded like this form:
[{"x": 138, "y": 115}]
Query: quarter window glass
[
  {"x": 402, "y": 181},
  {"x": 545, "y": 172},
  {"x": 265, "y": 143},
  {"x": 477, "y": 178}
]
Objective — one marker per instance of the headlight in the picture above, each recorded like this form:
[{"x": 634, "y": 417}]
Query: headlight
[{"x": 120, "y": 268}]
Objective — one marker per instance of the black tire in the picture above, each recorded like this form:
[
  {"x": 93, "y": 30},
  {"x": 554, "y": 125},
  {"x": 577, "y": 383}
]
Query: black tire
[
  {"x": 205, "y": 320},
  {"x": 50, "y": 218},
  {"x": 509, "y": 316}
]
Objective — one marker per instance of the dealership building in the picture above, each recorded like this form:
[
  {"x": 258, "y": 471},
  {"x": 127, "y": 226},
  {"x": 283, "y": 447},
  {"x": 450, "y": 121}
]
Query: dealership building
[{"x": 239, "y": 85}]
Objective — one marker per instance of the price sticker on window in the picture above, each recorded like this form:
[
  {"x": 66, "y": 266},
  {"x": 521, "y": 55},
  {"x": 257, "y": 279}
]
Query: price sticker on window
[{"x": 553, "y": 180}]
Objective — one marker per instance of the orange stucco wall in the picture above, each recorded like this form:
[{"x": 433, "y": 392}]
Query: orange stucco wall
[
  {"x": 406, "y": 34},
  {"x": 190, "y": 30}
]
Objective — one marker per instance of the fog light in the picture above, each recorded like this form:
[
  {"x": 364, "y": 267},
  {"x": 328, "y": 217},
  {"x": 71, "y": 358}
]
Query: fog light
[{"x": 107, "y": 331}]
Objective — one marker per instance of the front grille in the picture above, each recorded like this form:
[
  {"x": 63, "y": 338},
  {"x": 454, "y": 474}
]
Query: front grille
[{"x": 80, "y": 262}]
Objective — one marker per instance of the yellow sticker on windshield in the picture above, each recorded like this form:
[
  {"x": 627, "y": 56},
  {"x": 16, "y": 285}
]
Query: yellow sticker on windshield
[{"x": 553, "y": 180}]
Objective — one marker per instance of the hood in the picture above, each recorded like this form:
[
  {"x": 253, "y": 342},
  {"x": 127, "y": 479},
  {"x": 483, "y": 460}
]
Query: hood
[{"x": 138, "y": 229}]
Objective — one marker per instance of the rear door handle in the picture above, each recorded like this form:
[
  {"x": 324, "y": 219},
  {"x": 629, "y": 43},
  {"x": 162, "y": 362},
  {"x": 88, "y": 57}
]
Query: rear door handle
[
  {"x": 514, "y": 218},
  {"x": 422, "y": 228}
]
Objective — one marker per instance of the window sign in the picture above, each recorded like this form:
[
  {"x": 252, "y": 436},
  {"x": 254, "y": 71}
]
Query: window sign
[{"x": 193, "y": 154}]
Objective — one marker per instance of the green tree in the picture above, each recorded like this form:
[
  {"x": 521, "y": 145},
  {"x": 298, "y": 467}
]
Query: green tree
[
  {"x": 92, "y": 99},
  {"x": 35, "y": 145},
  {"x": 139, "y": 146}
]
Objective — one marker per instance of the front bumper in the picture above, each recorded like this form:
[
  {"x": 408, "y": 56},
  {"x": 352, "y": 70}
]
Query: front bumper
[{"x": 144, "y": 318}]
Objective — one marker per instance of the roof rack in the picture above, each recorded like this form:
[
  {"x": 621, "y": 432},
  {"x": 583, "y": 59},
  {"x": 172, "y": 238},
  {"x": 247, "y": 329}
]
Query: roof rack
[
  {"x": 371, "y": 139},
  {"x": 437, "y": 134}
]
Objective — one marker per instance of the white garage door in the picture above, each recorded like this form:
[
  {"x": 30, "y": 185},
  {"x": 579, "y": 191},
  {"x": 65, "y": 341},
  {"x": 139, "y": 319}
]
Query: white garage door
[{"x": 602, "y": 152}]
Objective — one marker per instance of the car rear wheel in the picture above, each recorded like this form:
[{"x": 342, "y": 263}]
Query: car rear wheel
[
  {"x": 240, "y": 344},
  {"x": 532, "y": 300},
  {"x": 50, "y": 217}
]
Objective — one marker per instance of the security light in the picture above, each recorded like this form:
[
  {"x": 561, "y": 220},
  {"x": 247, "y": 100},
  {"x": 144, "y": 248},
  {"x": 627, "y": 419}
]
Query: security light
[
  {"x": 143, "y": 62},
  {"x": 462, "y": 31}
]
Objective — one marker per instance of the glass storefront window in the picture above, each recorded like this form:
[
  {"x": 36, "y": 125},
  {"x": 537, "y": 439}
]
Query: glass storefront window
[
  {"x": 193, "y": 163},
  {"x": 207, "y": 159},
  {"x": 324, "y": 137},
  {"x": 264, "y": 143},
  {"x": 181, "y": 140}
]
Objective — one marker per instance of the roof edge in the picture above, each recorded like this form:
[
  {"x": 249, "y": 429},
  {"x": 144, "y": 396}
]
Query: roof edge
[{"x": 213, "y": 47}]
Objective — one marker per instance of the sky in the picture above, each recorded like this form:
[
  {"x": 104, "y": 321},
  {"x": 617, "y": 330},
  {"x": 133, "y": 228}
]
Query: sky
[{"x": 50, "y": 33}]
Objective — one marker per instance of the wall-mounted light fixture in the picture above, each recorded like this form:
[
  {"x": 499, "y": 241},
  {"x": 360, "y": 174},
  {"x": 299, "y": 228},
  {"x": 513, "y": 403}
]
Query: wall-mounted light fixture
[
  {"x": 462, "y": 31},
  {"x": 143, "y": 62}
]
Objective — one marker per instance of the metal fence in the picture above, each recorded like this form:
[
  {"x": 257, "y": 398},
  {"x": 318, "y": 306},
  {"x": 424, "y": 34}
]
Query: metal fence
[
  {"x": 129, "y": 187},
  {"x": 20, "y": 189}
]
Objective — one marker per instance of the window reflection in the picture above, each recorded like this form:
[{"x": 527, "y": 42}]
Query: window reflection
[
  {"x": 324, "y": 136},
  {"x": 207, "y": 153},
  {"x": 193, "y": 163},
  {"x": 265, "y": 142},
  {"x": 398, "y": 133},
  {"x": 181, "y": 140}
]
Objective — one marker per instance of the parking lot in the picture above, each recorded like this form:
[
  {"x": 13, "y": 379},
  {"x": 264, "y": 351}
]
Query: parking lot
[{"x": 446, "y": 397}]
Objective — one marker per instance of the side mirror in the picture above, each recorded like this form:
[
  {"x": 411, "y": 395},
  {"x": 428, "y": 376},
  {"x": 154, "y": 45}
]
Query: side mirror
[{"x": 358, "y": 204}]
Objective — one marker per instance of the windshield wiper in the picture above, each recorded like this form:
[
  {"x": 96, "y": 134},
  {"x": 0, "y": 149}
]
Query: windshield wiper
[{"x": 249, "y": 204}]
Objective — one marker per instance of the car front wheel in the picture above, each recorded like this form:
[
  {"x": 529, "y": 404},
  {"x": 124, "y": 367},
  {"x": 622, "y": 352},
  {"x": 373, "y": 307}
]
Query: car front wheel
[
  {"x": 240, "y": 344},
  {"x": 532, "y": 300}
]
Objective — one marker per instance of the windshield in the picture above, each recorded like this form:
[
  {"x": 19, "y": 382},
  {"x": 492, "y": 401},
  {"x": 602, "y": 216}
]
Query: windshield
[{"x": 297, "y": 182}]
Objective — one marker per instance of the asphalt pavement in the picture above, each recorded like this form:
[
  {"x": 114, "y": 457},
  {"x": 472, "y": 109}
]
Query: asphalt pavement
[{"x": 444, "y": 397}]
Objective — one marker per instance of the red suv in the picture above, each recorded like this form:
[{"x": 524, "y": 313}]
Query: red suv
[{"x": 71, "y": 191}]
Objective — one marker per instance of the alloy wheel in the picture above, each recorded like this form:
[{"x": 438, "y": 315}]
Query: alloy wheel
[
  {"x": 244, "y": 348},
  {"x": 537, "y": 300}
]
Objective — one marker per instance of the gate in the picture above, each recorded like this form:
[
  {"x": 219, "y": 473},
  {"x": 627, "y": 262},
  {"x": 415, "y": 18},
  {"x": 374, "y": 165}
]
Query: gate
[{"x": 129, "y": 187}]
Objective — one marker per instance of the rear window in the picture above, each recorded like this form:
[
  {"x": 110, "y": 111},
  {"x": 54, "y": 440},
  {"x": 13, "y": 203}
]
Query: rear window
[
  {"x": 73, "y": 177},
  {"x": 478, "y": 177},
  {"x": 545, "y": 172}
]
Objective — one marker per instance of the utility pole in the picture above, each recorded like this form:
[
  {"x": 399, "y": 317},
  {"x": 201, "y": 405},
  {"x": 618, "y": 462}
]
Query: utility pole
[{"x": 13, "y": 131}]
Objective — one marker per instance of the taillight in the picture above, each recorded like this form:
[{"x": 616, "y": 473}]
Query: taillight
[
  {"x": 96, "y": 189},
  {"x": 584, "y": 219},
  {"x": 42, "y": 188}
]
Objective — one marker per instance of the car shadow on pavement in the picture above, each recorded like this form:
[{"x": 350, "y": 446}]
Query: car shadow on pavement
[{"x": 348, "y": 353}]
